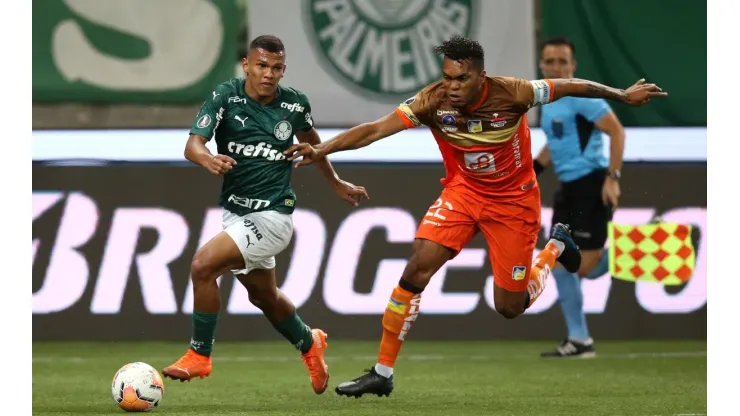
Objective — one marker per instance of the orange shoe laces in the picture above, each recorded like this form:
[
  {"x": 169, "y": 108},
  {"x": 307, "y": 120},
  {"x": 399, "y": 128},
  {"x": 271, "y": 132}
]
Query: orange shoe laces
[
  {"x": 313, "y": 363},
  {"x": 189, "y": 359}
]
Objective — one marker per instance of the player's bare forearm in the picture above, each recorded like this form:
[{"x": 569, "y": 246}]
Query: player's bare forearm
[
  {"x": 354, "y": 138},
  {"x": 196, "y": 150},
  {"x": 611, "y": 125},
  {"x": 574, "y": 87},
  {"x": 362, "y": 135},
  {"x": 616, "y": 151},
  {"x": 312, "y": 137}
]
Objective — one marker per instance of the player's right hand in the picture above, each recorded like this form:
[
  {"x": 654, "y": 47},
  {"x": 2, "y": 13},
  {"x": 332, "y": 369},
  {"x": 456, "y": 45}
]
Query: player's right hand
[
  {"x": 640, "y": 93},
  {"x": 220, "y": 164},
  {"x": 305, "y": 150}
]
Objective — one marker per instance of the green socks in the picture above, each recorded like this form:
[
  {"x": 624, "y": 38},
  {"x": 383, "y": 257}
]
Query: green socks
[
  {"x": 204, "y": 330},
  {"x": 296, "y": 332}
]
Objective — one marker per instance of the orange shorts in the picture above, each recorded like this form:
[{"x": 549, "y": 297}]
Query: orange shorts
[{"x": 510, "y": 230}]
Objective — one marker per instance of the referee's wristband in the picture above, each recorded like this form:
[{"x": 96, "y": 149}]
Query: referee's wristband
[{"x": 538, "y": 167}]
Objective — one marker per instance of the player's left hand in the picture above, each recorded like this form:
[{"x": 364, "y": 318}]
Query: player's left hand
[
  {"x": 610, "y": 193},
  {"x": 353, "y": 194},
  {"x": 640, "y": 93}
]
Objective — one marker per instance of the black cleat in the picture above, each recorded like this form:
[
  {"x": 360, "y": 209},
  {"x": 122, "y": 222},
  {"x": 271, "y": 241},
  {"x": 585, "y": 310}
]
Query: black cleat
[
  {"x": 370, "y": 382},
  {"x": 571, "y": 349},
  {"x": 570, "y": 258}
]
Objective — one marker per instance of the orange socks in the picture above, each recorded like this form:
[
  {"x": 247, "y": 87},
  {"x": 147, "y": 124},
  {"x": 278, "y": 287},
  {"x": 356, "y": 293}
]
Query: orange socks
[
  {"x": 403, "y": 308},
  {"x": 541, "y": 267},
  {"x": 400, "y": 314}
]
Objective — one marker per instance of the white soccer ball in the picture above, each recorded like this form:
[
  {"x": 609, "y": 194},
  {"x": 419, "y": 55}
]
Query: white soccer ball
[{"x": 137, "y": 387}]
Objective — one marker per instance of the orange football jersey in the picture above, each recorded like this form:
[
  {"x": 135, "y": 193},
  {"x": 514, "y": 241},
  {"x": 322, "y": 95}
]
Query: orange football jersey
[{"x": 487, "y": 146}]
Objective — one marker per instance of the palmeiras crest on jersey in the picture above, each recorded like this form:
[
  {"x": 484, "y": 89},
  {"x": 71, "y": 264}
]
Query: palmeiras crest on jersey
[
  {"x": 383, "y": 48},
  {"x": 283, "y": 130}
]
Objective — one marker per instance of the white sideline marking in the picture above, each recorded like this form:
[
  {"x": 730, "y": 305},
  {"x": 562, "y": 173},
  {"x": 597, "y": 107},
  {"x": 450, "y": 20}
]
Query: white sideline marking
[{"x": 372, "y": 358}]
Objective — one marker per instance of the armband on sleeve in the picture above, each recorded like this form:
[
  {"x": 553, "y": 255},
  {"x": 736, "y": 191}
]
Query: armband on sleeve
[
  {"x": 543, "y": 91},
  {"x": 407, "y": 115}
]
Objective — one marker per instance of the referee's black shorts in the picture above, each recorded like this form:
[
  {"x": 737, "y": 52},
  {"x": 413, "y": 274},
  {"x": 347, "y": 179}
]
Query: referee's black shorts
[{"x": 578, "y": 203}]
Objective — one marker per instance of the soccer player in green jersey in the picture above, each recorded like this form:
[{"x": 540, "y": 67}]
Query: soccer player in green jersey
[{"x": 254, "y": 120}]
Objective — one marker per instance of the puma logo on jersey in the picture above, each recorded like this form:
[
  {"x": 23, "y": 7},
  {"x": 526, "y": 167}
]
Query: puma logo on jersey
[
  {"x": 215, "y": 95},
  {"x": 241, "y": 120}
]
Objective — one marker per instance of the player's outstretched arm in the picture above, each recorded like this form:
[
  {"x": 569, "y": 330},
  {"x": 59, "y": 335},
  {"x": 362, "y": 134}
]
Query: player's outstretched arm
[
  {"x": 363, "y": 135},
  {"x": 354, "y": 138},
  {"x": 638, "y": 94}
]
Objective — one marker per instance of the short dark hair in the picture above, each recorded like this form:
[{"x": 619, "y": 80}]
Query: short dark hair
[
  {"x": 269, "y": 43},
  {"x": 560, "y": 41},
  {"x": 459, "y": 48}
]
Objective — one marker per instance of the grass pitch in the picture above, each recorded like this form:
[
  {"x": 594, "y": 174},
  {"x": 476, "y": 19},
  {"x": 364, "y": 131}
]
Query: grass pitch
[{"x": 432, "y": 378}]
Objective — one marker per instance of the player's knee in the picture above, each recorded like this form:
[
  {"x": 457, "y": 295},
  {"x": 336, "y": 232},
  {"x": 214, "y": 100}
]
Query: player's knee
[
  {"x": 200, "y": 269},
  {"x": 508, "y": 303},
  {"x": 418, "y": 274},
  {"x": 510, "y": 310},
  {"x": 427, "y": 259}
]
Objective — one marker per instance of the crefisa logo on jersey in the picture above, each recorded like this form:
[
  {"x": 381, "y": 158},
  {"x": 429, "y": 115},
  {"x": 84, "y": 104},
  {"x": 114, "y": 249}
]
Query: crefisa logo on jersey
[
  {"x": 292, "y": 107},
  {"x": 283, "y": 130},
  {"x": 384, "y": 47},
  {"x": 261, "y": 149}
]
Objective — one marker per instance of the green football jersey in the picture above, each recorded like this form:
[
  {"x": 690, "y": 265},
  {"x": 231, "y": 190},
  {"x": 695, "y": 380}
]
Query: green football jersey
[{"x": 255, "y": 136}]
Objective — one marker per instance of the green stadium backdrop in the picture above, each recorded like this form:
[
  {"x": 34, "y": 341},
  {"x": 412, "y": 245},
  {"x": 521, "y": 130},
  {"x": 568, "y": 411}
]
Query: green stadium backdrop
[
  {"x": 619, "y": 42},
  {"x": 123, "y": 52}
]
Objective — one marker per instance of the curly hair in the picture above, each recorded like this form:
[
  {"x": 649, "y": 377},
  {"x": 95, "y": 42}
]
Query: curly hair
[{"x": 459, "y": 48}]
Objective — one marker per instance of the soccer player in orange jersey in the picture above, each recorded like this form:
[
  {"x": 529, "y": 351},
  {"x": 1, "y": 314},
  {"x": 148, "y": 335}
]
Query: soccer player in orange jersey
[{"x": 480, "y": 126}]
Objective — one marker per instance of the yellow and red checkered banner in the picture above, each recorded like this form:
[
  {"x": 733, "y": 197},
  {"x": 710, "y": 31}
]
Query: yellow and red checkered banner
[{"x": 661, "y": 253}]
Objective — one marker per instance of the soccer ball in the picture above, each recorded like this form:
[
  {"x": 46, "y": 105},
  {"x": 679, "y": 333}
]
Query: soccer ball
[{"x": 137, "y": 387}]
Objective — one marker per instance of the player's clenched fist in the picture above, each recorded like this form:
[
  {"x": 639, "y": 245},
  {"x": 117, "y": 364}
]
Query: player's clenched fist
[{"x": 220, "y": 164}]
